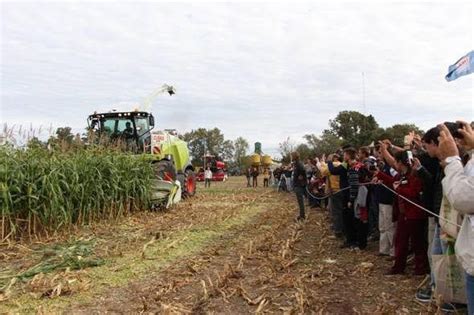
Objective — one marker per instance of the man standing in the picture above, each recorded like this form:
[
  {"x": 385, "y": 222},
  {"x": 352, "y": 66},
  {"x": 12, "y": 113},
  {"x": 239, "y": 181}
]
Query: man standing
[
  {"x": 299, "y": 183},
  {"x": 336, "y": 199},
  {"x": 247, "y": 174},
  {"x": 354, "y": 167},
  {"x": 348, "y": 177},
  {"x": 385, "y": 200},
  {"x": 207, "y": 177},
  {"x": 459, "y": 187},
  {"x": 255, "y": 177}
]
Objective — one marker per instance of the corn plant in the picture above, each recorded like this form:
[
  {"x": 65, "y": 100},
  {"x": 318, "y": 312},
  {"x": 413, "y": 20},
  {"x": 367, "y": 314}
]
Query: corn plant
[{"x": 44, "y": 190}]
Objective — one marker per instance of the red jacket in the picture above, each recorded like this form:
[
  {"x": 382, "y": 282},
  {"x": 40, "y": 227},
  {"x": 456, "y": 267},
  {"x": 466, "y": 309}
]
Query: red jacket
[{"x": 410, "y": 190}]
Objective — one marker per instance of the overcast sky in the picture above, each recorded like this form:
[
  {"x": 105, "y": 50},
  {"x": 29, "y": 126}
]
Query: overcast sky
[{"x": 264, "y": 71}]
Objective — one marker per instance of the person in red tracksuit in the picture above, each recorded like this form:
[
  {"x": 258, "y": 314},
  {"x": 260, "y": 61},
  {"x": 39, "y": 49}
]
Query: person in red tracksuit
[{"x": 411, "y": 221}]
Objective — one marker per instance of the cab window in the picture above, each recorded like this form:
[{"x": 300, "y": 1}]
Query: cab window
[
  {"x": 142, "y": 125},
  {"x": 117, "y": 125}
]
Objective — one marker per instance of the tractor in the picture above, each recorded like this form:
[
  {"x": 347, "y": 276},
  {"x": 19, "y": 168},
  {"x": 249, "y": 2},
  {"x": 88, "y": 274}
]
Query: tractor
[
  {"x": 217, "y": 167},
  {"x": 134, "y": 131}
]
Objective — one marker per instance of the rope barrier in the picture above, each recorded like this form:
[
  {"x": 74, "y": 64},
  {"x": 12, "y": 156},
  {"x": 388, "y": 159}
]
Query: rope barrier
[
  {"x": 334, "y": 193},
  {"x": 393, "y": 192},
  {"x": 325, "y": 196},
  {"x": 422, "y": 208}
]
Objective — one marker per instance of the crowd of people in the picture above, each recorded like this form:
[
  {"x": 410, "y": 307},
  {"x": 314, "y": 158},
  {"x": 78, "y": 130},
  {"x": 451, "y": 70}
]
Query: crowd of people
[{"x": 416, "y": 200}]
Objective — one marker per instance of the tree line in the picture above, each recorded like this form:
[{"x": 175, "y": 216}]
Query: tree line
[
  {"x": 211, "y": 141},
  {"x": 347, "y": 128}
]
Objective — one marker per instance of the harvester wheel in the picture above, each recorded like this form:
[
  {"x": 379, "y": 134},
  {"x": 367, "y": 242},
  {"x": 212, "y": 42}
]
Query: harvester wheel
[{"x": 189, "y": 184}]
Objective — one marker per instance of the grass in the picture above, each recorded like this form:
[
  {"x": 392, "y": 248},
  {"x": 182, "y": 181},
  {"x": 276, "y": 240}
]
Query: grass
[{"x": 119, "y": 271}]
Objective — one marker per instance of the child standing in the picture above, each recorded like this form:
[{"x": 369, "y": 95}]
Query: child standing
[
  {"x": 266, "y": 177},
  {"x": 361, "y": 212}
]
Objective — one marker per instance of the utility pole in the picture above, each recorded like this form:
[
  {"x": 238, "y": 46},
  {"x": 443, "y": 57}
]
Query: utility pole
[
  {"x": 363, "y": 94},
  {"x": 204, "y": 156}
]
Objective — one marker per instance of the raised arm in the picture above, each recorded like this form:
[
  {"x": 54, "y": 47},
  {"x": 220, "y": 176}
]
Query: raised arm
[
  {"x": 336, "y": 170},
  {"x": 426, "y": 177},
  {"x": 386, "y": 155}
]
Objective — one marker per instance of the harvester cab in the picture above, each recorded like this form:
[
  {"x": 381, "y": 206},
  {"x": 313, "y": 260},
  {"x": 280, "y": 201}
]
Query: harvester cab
[{"x": 132, "y": 128}]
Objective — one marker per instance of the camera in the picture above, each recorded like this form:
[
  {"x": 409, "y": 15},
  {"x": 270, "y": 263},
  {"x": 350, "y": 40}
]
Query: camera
[{"x": 454, "y": 129}]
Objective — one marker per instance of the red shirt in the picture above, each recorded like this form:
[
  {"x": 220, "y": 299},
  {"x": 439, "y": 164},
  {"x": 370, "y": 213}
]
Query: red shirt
[{"x": 410, "y": 188}]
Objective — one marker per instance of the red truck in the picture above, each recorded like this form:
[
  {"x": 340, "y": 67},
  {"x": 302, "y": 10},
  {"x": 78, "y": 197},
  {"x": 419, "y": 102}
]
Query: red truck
[{"x": 217, "y": 169}]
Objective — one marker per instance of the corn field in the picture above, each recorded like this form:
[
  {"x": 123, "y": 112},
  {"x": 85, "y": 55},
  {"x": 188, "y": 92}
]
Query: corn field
[{"x": 43, "y": 191}]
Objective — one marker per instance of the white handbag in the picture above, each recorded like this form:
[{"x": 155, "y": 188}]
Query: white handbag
[
  {"x": 465, "y": 244},
  {"x": 450, "y": 216}
]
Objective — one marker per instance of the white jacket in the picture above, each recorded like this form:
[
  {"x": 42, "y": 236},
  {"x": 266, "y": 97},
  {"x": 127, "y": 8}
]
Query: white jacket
[{"x": 458, "y": 187}]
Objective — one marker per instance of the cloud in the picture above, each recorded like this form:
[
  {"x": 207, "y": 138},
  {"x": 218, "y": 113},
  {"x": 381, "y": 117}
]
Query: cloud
[{"x": 260, "y": 70}]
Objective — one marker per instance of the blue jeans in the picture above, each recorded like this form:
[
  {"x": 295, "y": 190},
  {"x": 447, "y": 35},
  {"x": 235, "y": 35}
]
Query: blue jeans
[
  {"x": 300, "y": 192},
  {"x": 470, "y": 293},
  {"x": 439, "y": 247}
]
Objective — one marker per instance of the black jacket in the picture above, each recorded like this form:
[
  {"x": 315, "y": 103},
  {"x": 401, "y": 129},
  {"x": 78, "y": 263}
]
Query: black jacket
[
  {"x": 340, "y": 170},
  {"x": 384, "y": 195},
  {"x": 299, "y": 175},
  {"x": 431, "y": 174}
]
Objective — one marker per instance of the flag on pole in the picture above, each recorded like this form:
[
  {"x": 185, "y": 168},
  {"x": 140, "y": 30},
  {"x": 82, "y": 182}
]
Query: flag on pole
[{"x": 463, "y": 66}]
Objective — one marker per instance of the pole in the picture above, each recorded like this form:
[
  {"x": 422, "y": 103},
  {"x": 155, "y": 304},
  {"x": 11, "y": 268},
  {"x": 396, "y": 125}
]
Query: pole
[
  {"x": 204, "y": 156},
  {"x": 363, "y": 93}
]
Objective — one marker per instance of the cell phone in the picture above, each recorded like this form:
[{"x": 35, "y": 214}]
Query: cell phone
[{"x": 410, "y": 157}]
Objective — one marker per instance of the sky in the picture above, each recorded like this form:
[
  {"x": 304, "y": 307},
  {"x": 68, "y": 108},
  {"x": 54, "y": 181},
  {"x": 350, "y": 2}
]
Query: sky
[{"x": 265, "y": 70}]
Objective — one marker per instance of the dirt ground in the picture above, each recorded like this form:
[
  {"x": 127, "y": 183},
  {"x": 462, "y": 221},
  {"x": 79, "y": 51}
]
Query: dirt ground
[{"x": 229, "y": 250}]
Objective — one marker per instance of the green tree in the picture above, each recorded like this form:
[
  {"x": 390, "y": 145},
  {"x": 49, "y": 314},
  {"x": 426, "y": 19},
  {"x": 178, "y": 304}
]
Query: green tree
[
  {"x": 286, "y": 147},
  {"x": 62, "y": 140},
  {"x": 35, "y": 143},
  {"x": 305, "y": 151},
  {"x": 202, "y": 141},
  {"x": 354, "y": 128},
  {"x": 241, "y": 146},
  {"x": 64, "y": 134},
  {"x": 327, "y": 143},
  {"x": 397, "y": 133},
  {"x": 227, "y": 151}
]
